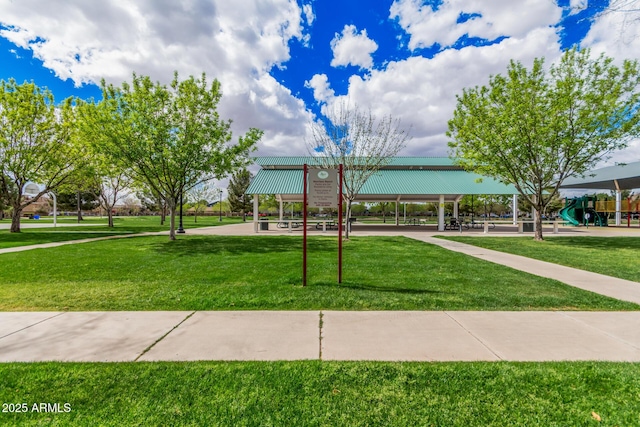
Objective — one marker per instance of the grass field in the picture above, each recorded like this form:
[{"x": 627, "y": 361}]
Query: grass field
[
  {"x": 613, "y": 256},
  {"x": 97, "y": 227},
  {"x": 264, "y": 273},
  {"x": 317, "y": 393}
]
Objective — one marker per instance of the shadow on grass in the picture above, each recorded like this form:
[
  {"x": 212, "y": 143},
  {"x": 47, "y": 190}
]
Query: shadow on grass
[
  {"x": 29, "y": 237},
  {"x": 236, "y": 245},
  {"x": 373, "y": 288},
  {"x": 609, "y": 243}
]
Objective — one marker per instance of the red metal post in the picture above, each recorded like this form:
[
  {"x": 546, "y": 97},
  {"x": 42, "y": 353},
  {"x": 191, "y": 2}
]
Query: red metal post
[
  {"x": 304, "y": 225},
  {"x": 340, "y": 225}
]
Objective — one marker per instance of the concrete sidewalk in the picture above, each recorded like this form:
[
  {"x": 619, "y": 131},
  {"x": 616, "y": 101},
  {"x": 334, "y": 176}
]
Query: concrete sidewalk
[{"x": 330, "y": 335}]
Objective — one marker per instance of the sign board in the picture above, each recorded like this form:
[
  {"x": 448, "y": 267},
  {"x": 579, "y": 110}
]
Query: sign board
[{"x": 323, "y": 188}]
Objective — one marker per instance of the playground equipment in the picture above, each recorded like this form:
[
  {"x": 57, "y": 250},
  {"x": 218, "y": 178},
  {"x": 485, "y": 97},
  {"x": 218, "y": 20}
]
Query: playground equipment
[{"x": 581, "y": 211}]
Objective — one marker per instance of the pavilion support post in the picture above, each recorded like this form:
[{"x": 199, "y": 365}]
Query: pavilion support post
[
  {"x": 455, "y": 209},
  {"x": 618, "y": 204},
  {"x": 398, "y": 210},
  {"x": 256, "y": 204},
  {"x": 514, "y": 209},
  {"x": 281, "y": 209},
  {"x": 441, "y": 213}
]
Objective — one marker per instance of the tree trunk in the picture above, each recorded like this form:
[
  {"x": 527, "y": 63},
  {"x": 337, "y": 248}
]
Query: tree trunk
[
  {"x": 15, "y": 219},
  {"x": 347, "y": 222},
  {"x": 172, "y": 221},
  {"x": 110, "y": 215},
  {"x": 79, "y": 206},
  {"x": 163, "y": 210},
  {"x": 538, "y": 224}
]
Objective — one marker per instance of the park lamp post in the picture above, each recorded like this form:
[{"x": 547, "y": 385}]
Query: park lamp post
[
  {"x": 180, "y": 228},
  {"x": 220, "y": 203}
]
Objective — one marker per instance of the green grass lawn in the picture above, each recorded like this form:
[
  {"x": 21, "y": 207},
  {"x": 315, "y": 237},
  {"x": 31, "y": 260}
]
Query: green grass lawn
[
  {"x": 97, "y": 227},
  {"x": 317, "y": 393},
  {"x": 264, "y": 273},
  {"x": 613, "y": 256}
]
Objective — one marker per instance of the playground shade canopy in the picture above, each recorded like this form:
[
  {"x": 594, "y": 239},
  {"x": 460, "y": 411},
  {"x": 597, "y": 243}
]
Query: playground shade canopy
[{"x": 620, "y": 177}]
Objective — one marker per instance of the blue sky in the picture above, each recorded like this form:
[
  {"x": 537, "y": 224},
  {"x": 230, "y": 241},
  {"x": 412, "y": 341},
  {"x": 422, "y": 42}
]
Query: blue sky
[{"x": 282, "y": 61}]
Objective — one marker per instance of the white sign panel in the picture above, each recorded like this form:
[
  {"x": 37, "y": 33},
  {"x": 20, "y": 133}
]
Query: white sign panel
[{"x": 323, "y": 188}]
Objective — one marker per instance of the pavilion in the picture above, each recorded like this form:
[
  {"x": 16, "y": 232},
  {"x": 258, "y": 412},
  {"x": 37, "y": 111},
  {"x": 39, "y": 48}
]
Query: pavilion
[{"x": 403, "y": 179}]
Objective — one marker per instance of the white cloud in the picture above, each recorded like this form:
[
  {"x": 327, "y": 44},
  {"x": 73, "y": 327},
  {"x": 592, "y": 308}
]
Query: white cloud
[
  {"x": 352, "y": 48},
  {"x": 490, "y": 19},
  {"x": 616, "y": 32},
  {"x": 322, "y": 92},
  {"x": 236, "y": 42},
  {"x": 422, "y": 92},
  {"x": 307, "y": 9}
]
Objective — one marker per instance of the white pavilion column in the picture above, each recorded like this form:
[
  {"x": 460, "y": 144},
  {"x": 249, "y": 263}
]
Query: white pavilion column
[
  {"x": 618, "y": 205},
  {"x": 398, "y": 210},
  {"x": 256, "y": 203},
  {"x": 455, "y": 208},
  {"x": 281, "y": 210},
  {"x": 514, "y": 208},
  {"x": 441, "y": 213}
]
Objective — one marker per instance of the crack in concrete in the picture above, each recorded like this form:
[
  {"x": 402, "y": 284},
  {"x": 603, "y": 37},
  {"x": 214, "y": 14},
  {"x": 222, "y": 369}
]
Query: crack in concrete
[
  {"x": 474, "y": 336},
  {"x": 320, "y": 325},
  {"x": 30, "y": 326},
  {"x": 601, "y": 331},
  {"x": 146, "y": 350}
]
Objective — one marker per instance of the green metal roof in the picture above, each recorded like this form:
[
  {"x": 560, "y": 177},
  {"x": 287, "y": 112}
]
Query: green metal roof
[
  {"x": 628, "y": 177},
  {"x": 388, "y": 182}
]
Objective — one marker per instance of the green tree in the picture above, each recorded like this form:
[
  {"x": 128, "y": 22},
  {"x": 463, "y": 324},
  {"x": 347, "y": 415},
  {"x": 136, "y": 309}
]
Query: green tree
[
  {"x": 200, "y": 196},
  {"x": 534, "y": 128},
  {"x": 269, "y": 203},
  {"x": 238, "y": 198},
  {"x": 171, "y": 137},
  {"x": 38, "y": 143},
  {"x": 79, "y": 192}
]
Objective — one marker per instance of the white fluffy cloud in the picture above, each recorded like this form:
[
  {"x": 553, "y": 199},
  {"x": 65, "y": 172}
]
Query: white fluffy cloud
[
  {"x": 422, "y": 92},
  {"x": 239, "y": 42},
  {"x": 489, "y": 19},
  {"x": 236, "y": 42},
  {"x": 308, "y": 13},
  {"x": 322, "y": 92},
  {"x": 352, "y": 48}
]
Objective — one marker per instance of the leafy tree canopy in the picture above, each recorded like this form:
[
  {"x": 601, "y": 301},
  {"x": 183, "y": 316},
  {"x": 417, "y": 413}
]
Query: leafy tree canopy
[
  {"x": 535, "y": 127},
  {"x": 171, "y": 137}
]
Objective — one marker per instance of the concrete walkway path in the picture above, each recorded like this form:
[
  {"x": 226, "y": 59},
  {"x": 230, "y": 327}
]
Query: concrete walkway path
[{"x": 329, "y": 335}]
